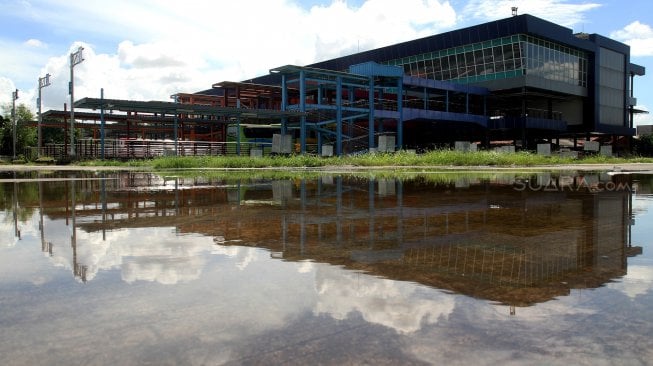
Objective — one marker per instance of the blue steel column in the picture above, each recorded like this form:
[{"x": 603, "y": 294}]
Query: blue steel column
[
  {"x": 302, "y": 218},
  {"x": 302, "y": 108},
  {"x": 339, "y": 210},
  {"x": 370, "y": 126},
  {"x": 350, "y": 122},
  {"x": 284, "y": 103},
  {"x": 102, "y": 123},
  {"x": 400, "y": 205},
  {"x": 338, "y": 116},
  {"x": 319, "y": 134},
  {"x": 467, "y": 103},
  {"x": 238, "y": 136},
  {"x": 400, "y": 112},
  {"x": 426, "y": 98},
  {"x": 371, "y": 210},
  {"x": 175, "y": 125}
]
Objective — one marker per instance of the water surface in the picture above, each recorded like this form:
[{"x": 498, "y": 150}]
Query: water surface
[{"x": 514, "y": 268}]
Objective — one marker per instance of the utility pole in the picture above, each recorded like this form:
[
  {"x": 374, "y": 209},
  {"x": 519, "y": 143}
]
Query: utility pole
[
  {"x": 43, "y": 82},
  {"x": 75, "y": 58},
  {"x": 175, "y": 97},
  {"x": 14, "y": 96}
]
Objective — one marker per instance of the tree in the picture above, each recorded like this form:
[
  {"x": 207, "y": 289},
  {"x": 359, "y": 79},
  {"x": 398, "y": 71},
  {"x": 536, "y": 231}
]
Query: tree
[
  {"x": 644, "y": 145},
  {"x": 25, "y": 136}
]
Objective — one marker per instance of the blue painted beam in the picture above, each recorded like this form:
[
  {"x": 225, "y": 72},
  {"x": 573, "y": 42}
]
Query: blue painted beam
[
  {"x": 330, "y": 82},
  {"x": 284, "y": 103},
  {"x": 302, "y": 108},
  {"x": 400, "y": 121},
  {"x": 339, "y": 116},
  {"x": 328, "y": 132},
  {"x": 370, "y": 124},
  {"x": 331, "y": 107},
  {"x": 347, "y": 118}
]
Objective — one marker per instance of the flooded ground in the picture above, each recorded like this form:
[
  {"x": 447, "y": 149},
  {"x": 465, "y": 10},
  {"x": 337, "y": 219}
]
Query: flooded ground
[{"x": 430, "y": 268}]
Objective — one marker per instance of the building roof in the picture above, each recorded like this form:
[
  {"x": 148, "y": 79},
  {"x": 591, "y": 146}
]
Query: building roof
[{"x": 171, "y": 108}]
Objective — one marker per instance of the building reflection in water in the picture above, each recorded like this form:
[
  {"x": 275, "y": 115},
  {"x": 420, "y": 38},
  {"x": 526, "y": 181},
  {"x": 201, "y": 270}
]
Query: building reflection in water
[{"x": 516, "y": 240}]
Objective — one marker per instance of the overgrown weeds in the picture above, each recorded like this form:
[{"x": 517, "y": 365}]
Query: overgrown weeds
[{"x": 437, "y": 158}]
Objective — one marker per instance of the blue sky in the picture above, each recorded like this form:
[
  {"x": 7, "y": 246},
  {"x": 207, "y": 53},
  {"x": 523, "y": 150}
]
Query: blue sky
[{"x": 150, "y": 49}]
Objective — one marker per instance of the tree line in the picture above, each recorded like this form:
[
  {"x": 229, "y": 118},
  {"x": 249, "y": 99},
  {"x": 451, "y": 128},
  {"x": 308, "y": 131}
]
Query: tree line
[{"x": 26, "y": 136}]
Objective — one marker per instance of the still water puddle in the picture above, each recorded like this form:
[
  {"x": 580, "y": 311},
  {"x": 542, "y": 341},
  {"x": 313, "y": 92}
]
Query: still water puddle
[{"x": 135, "y": 268}]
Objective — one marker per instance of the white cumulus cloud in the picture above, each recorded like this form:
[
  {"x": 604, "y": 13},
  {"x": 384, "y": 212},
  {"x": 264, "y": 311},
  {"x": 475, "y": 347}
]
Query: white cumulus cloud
[
  {"x": 394, "y": 304},
  {"x": 35, "y": 43},
  {"x": 638, "y": 36},
  {"x": 562, "y": 12},
  {"x": 150, "y": 50}
]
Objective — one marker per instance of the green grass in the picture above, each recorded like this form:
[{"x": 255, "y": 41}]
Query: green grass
[
  {"x": 430, "y": 176},
  {"x": 438, "y": 158}
]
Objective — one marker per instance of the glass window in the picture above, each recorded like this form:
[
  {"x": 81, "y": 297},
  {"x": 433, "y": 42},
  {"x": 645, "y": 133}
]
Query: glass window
[
  {"x": 421, "y": 68},
  {"x": 498, "y": 56},
  {"x": 488, "y": 57},
  {"x": 516, "y": 47},
  {"x": 453, "y": 74},
  {"x": 445, "y": 63},
  {"x": 507, "y": 52},
  {"x": 469, "y": 59},
  {"x": 436, "y": 65},
  {"x": 428, "y": 69},
  {"x": 452, "y": 62},
  {"x": 510, "y": 56},
  {"x": 461, "y": 60},
  {"x": 499, "y": 66},
  {"x": 478, "y": 57}
]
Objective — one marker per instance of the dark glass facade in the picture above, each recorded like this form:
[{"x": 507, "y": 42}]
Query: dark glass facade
[{"x": 500, "y": 58}]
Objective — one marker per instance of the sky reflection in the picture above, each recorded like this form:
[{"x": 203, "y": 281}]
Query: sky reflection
[{"x": 200, "y": 278}]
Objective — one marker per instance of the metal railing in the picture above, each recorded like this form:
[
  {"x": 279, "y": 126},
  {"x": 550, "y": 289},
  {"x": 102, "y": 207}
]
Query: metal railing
[{"x": 144, "y": 149}]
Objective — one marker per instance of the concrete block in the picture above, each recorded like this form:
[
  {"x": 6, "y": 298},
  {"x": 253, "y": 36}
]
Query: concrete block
[
  {"x": 591, "y": 146},
  {"x": 461, "y": 183},
  {"x": 256, "y": 152},
  {"x": 606, "y": 150},
  {"x": 386, "y": 187},
  {"x": 544, "y": 149},
  {"x": 281, "y": 144},
  {"x": 281, "y": 190},
  {"x": 462, "y": 146},
  {"x": 589, "y": 180},
  {"x": 505, "y": 149},
  {"x": 565, "y": 181},
  {"x": 386, "y": 143},
  {"x": 276, "y": 143},
  {"x": 327, "y": 150},
  {"x": 569, "y": 154},
  {"x": 544, "y": 179}
]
